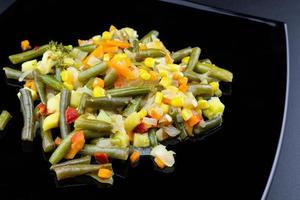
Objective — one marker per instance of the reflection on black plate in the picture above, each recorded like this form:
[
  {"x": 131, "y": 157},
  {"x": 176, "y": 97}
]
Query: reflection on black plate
[{"x": 237, "y": 159}]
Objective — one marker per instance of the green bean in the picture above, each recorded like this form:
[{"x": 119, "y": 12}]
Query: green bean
[
  {"x": 135, "y": 46},
  {"x": 178, "y": 55},
  {"x": 92, "y": 72},
  {"x": 90, "y": 83},
  {"x": 152, "y": 138},
  {"x": 82, "y": 160},
  {"x": 209, "y": 124},
  {"x": 87, "y": 48},
  {"x": 28, "y": 133},
  {"x": 193, "y": 76},
  {"x": 82, "y": 103},
  {"x": 214, "y": 71},
  {"x": 154, "y": 53},
  {"x": 47, "y": 140},
  {"x": 4, "y": 119},
  {"x": 107, "y": 103},
  {"x": 89, "y": 134},
  {"x": 183, "y": 134},
  {"x": 51, "y": 82},
  {"x": 14, "y": 74},
  {"x": 129, "y": 91},
  {"x": 134, "y": 106},
  {"x": 148, "y": 37},
  {"x": 92, "y": 124},
  {"x": 200, "y": 89},
  {"x": 57, "y": 73},
  {"x": 113, "y": 152},
  {"x": 61, "y": 150},
  {"x": 69, "y": 171},
  {"x": 40, "y": 86},
  {"x": 64, "y": 103},
  {"x": 193, "y": 58},
  {"x": 28, "y": 55},
  {"x": 110, "y": 78},
  {"x": 205, "y": 60}
]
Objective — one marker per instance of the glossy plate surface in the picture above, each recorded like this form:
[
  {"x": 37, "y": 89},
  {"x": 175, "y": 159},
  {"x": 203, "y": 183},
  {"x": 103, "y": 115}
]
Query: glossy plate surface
[{"x": 236, "y": 159}]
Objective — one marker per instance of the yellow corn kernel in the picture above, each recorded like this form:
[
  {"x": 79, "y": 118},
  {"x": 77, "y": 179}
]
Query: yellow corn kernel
[
  {"x": 142, "y": 113},
  {"x": 66, "y": 76},
  {"x": 199, "y": 111},
  {"x": 185, "y": 60},
  {"x": 157, "y": 45},
  {"x": 158, "y": 97},
  {"x": 69, "y": 86},
  {"x": 214, "y": 85},
  {"x": 98, "y": 92},
  {"x": 173, "y": 89},
  {"x": 149, "y": 62},
  {"x": 165, "y": 81},
  {"x": 177, "y": 102},
  {"x": 106, "y": 57},
  {"x": 106, "y": 35},
  {"x": 173, "y": 67},
  {"x": 186, "y": 114},
  {"x": 163, "y": 72},
  {"x": 165, "y": 108},
  {"x": 203, "y": 104},
  {"x": 144, "y": 74}
]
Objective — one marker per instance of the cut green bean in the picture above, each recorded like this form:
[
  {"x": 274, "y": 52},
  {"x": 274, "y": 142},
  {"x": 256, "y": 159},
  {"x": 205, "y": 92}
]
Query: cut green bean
[
  {"x": 57, "y": 73},
  {"x": 208, "y": 125},
  {"x": 113, "y": 152},
  {"x": 134, "y": 106},
  {"x": 178, "y": 55},
  {"x": 47, "y": 140},
  {"x": 92, "y": 72},
  {"x": 92, "y": 124},
  {"x": 193, "y": 58},
  {"x": 64, "y": 103},
  {"x": 40, "y": 86},
  {"x": 183, "y": 134},
  {"x": 14, "y": 74},
  {"x": 193, "y": 76},
  {"x": 4, "y": 119},
  {"x": 214, "y": 71},
  {"x": 69, "y": 171},
  {"x": 28, "y": 55},
  {"x": 87, "y": 48},
  {"x": 61, "y": 150},
  {"x": 154, "y": 53},
  {"x": 28, "y": 132},
  {"x": 107, "y": 103},
  {"x": 110, "y": 78},
  {"x": 148, "y": 37},
  {"x": 90, "y": 134},
  {"x": 82, "y": 160},
  {"x": 90, "y": 83},
  {"x": 82, "y": 103},
  {"x": 129, "y": 91},
  {"x": 200, "y": 89},
  {"x": 51, "y": 82}
]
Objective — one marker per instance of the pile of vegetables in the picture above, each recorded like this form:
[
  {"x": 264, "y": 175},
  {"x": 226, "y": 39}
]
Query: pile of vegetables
[{"x": 113, "y": 96}]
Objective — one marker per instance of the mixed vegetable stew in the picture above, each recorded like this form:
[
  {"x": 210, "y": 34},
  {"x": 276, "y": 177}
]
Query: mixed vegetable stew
[{"x": 113, "y": 96}]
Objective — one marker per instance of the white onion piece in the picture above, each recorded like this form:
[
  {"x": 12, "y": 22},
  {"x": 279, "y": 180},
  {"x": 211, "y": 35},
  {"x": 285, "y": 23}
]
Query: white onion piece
[
  {"x": 85, "y": 90},
  {"x": 93, "y": 61},
  {"x": 171, "y": 130},
  {"x": 150, "y": 121},
  {"x": 24, "y": 75},
  {"x": 167, "y": 157}
]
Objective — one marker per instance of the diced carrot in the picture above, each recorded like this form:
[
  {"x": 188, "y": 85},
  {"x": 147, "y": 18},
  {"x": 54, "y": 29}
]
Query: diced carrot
[
  {"x": 195, "y": 119},
  {"x": 77, "y": 144},
  {"x": 121, "y": 44},
  {"x": 30, "y": 84},
  {"x": 42, "y": 109},
  {"x": 166, "y": 101},
  {"x": 177, "y": 76},
  {"x": 154, "y": 114},
  {"x": 57, "y": 141},
  {"x": 110, "y": 49},
  {"x": 159, "y": 162},
  {"x": 134, "y": 157},
  {"x": 183, "y": 80},
  {"x": 183, "y": 87},
  {"x": 98, "y": 82},
  {"x": 142, "y": 46},
  {"x": 25, "y": 45},
  {"x": 122, "y": 68},
  {"x": 104, "y": 173},
  {"x": 119, "y": 82},
  {"x": 188, "y": 128},
  {"x": 168, "y": 58},
  {"x": 98, "y": 53},
  {"x": 153, "y": 75}
]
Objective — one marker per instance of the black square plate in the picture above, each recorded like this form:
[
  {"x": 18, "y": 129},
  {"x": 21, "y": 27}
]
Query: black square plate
[{"x": 235, "y": 162}]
